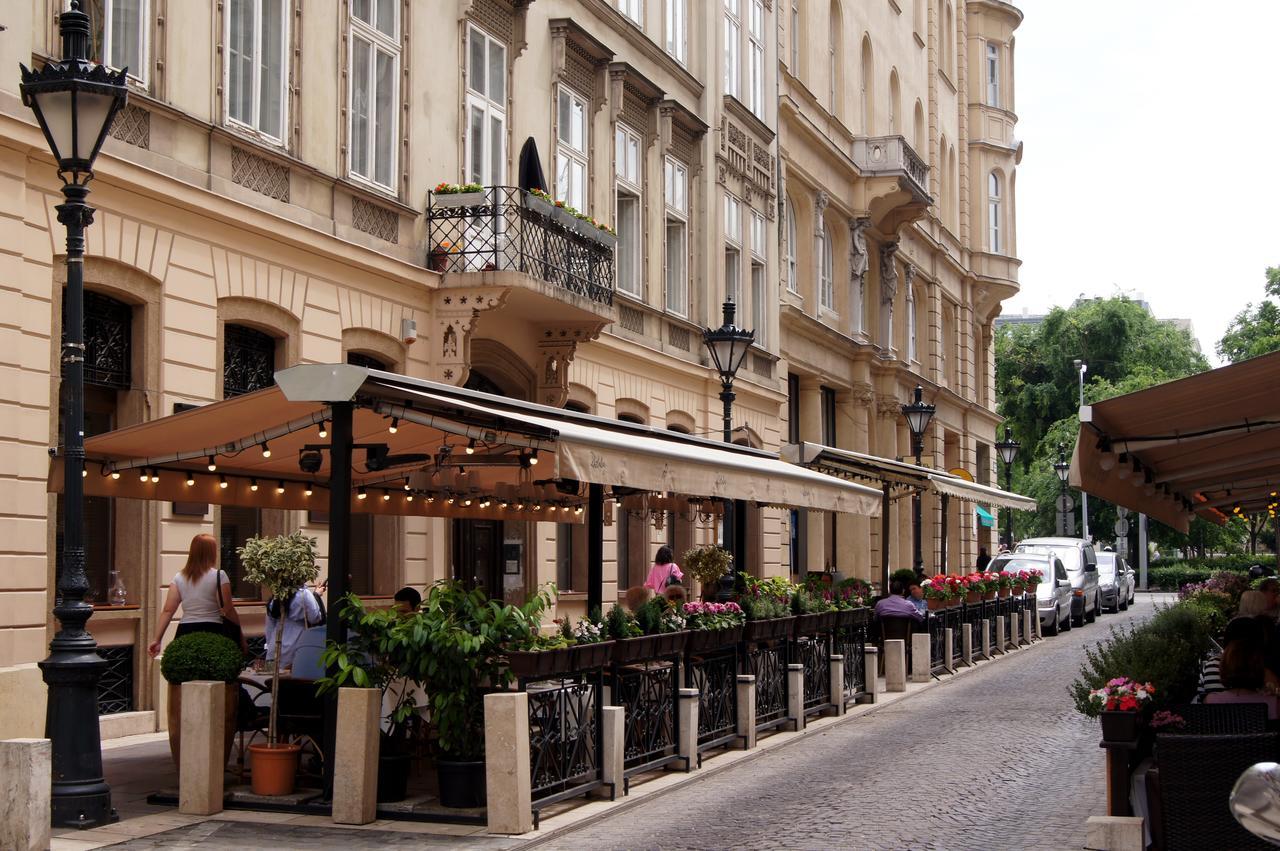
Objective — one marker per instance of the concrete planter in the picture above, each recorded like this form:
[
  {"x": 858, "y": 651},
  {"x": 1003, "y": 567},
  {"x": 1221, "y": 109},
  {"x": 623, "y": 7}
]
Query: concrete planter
[
  {"x": 539, "y": 206},
  {"x": 174, "y": 712}
]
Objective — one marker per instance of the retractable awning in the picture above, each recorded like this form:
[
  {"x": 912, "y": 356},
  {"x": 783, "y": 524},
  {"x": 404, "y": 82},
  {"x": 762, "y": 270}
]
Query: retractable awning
[
  {"x": 1203, "y": 444},
  {"x": 986, "y": 518}
]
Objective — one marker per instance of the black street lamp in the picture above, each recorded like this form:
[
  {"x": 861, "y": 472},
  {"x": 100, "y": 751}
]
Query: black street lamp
[
  {"x": 728, "y": 346},
  {"x": 1008, "y": 450},
  {"x": 74, "y": 101},
  {"x": 918, "y": 415},
  {"x": 1063, "y": 468}
]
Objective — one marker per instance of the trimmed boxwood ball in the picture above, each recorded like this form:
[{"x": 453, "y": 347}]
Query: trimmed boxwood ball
[{"x": 201, "y": 656}]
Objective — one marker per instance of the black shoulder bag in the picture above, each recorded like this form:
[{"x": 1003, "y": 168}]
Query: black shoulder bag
[{"x": 230, "y": 628}]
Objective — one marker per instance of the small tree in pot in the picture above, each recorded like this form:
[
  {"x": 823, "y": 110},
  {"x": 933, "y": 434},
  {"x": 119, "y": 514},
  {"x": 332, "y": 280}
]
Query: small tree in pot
[
  {"x": 283, "y": 563},
  {"x": 707, "y": 565}
]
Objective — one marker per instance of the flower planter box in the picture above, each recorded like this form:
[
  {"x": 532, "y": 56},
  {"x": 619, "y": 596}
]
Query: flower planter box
[
  {"x": 540, "y": 206},
  {"x": 767, "y": 630},
  {"x": 647, "y": 647},
  {"x": 1119, "y": 726},
  {"x": 935, "y": 603},
  {"x": 973, "y": 597},
  {"x": 706, "y": 640},
  {"x": 564, "y": 219},
  {"x": 1005, "y": 592},
  {"x": 814, "y": 624},
  {"x": 588, "y": 656},
  {"x": 458, "y": 199},
  {"x": 608, "y": 240},
  {"x": 540, "y": 663},
  {"x": 584, "y": 228},
  {"x": 849, "y": 618}
]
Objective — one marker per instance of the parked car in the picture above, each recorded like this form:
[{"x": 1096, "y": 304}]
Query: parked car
[
  {"x": 1053, "y": 594},
  {"x": 1081, "y": 562},
  {"x": 1115, "y": 581}
]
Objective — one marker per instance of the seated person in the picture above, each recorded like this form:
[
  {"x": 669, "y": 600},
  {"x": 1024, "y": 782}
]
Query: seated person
[
  {"x": 406, "y": 600},
  {"x": 1243, "y": 673},
  {"x": 298, "y": 611},
  {"x": 897, "y": 606},
  {"x": 916, "y": 596}
]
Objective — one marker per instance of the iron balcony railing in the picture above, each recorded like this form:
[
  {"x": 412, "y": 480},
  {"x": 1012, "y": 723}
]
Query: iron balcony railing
[{"x": 506, "y": 229}]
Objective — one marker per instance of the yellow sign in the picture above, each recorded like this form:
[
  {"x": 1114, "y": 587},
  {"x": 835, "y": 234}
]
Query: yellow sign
[{"x": 962, "y": 473}]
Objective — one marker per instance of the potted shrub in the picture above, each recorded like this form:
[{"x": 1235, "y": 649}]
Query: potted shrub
[
  {"x": 813, "y": 613},
  {"x": 851, "y": 598},
  {"x": 991, "y": 585},
  {"x": 283, "y": 564},
  {"x": 458, "y": 195},
  {"x": 767, "y": 606},
  {"x": 713, "y": 625},
  {"x": 707, "y": 565},
  {"x": 1120, "y": 705},
  {"x": 207, "y": 656}
]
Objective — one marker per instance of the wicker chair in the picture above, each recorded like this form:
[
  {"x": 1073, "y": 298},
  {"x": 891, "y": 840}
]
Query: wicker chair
[
  {"x": 1193, "y": 784},
  {"x": 1221, "y": 719}
]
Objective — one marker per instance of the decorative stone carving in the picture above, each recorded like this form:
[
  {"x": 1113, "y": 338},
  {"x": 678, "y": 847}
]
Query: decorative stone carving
[
  {"x": 556, "y": 348},
  {"x": 888, "y": 272},
  {"x": 455, "y": 312},
  {"x": 859, "y": 262},
  {"x": 862, "y": 394},
  {"x": 888, "y": 407}
]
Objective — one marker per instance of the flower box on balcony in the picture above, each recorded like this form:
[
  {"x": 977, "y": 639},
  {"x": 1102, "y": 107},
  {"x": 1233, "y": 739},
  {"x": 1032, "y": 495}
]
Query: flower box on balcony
[
  {"x": 648, "y": 647},
  {"x": 608, "y": 240},
  {"x": 561, "y": 660},
  {"x": 706, "y": 640},
  {"x": 564, "y": 218},
  {"x": 766, "y": 630},
  {"x": 815, "y": 623},
  {"x": 538, "y": 205},
  {"x": 458, "y": 199}
]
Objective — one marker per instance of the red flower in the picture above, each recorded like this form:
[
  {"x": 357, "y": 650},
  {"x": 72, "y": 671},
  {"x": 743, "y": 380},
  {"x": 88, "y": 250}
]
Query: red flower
[{"x": 1129, "y": 704}]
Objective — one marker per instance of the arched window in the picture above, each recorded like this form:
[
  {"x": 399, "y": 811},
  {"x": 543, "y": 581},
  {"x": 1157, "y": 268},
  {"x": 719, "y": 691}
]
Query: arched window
[
  {"x": 795, "y": 37},
  {"x": 918, "y": 141},
  {"x": 948, "y": 52},
  {"x": 944, "y": 185},
  {"x": 953, "y": 180},
  {"x": 826, "y": 280},
  {"x": 993, "y": 212},
  {"x": 833, "y": 60},
  {"x": 895, "y": 102},
  {"x": 867, "y": 95},
  {"x": 911, "y": 324},
  {"x": 791, "y": 246}
]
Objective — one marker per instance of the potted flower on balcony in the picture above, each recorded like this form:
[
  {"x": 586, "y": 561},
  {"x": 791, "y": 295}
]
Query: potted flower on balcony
[
  {"x": 1004, "y": 584},
  {"x": 975, "y": 587},
  {"x": 767, "y": 606},
  {"x": 458, "y": 195},
  {"x": 937, "y": 592},
  {"x": 564, "y": 215},
  {"x": 539, "y": 202},
  {"x": 1120, "y": 706},
  {"x": 713, "y": 625},
  {"x": 707, "y": 565},
  {"x": 813, "y": 613},
  {"x": 851, "y": 598},
  {"x": 606, "y": 236},
  {"x": 990, "y": 585}
]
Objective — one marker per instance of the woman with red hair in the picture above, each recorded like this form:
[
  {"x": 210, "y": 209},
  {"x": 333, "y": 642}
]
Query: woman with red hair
[{"x": 204, "y": 592}]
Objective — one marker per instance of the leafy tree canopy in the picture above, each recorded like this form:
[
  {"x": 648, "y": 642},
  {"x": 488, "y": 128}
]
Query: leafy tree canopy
[{"x": 1256, "y": 329}]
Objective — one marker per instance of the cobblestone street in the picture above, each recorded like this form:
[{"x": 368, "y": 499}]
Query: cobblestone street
[{"x": 994, "y": 760}]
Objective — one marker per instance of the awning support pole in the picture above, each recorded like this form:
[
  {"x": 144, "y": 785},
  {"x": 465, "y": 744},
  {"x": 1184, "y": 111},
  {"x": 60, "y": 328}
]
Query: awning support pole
[
  {"x": 595, "y": 549},
  {"x": 942, "y": 547},
  {"x": 884, "y": 538},
  {"x": 339, "y": 549}
]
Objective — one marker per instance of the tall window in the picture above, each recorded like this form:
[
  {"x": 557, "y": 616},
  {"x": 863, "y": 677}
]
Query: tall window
[
  {"x": 633, "y": 9},
  {"x": 486, "y": 103},
  {"x": 732, "y": 37},
  {"x": 833, "y": 60},
  {"x": 256, "y": 31},
  {"x": 795, "y": 36},
  {"x": 826, "y": 281},
  {"x": 375, "y": 75},
  {"x": 827, "y": 398},
  {"x": 791, "y": 246},
  {"x": 627, "y": 219},
  {"x": 676, "y": 40},
  {"x": 993, "y": 212},
  {"x": 866, "y": 95},
  {"x": 125, "y": 24},
  {"x": 677, "y": 237},
  {"x": 571, "y": 149},
  {"x": 755, "y": 47},
  {"x": 759, "y": 301},
  {"x": 895, "y": 103},
  {"x": 732, "y": 248},
  {"x": 993, "y": 74},
  {"x": 911, "y": 324}
]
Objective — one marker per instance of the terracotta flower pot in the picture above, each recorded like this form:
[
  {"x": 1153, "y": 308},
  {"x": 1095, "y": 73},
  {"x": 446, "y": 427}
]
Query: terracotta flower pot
[
  {"x": 1004, "y": 592},
  {"x": 990, "y": 595},
  {"x": 973, "y": 597},
  {"x": 275, "y": 768},
  {"x": 935, "y": 603}
]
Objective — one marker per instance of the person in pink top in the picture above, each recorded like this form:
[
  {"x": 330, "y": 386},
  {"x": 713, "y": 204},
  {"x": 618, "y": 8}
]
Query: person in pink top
[{"x": 663, "y": 571}]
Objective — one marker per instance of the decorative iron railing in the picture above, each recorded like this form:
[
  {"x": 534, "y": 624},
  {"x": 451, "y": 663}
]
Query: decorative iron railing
[
  {"x": 715, "y": 676},
  {"x": 814, "y": 652},
  {"x": 506, "y": 229},
  {"x": 115, "y": 686},
  {"x": 768, "y": 662},
  {"x": 564, "y": 735},
  {"x": 954, "y": 618},
  {"x": 851, "y": 642},
  {"x": 973, "y": 617},
  {"x": 647, "y": 691},
  {"x": 991, "y": 611}
]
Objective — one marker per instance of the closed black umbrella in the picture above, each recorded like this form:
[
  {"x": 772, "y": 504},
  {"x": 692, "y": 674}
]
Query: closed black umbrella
[{"x": 531, "y": 176}]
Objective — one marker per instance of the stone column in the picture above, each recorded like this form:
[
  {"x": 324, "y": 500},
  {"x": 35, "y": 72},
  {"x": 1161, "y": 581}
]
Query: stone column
[
  {"x": 202, "y": 763},
  {"x": 355, "y": 762},
  {"x": 687, "y": 706},
  {"x": 920, "y": 657},
  {"x": 747, "y": 709},
  {"x": 1001, "y": 641},
  {"x": 948, "y": 644},
  {"x": 613, "y": 747},
  {"x": 966, "y": 645},
  {"x": 871, "y": 659},
  {"x": 25, "y": 787},
  {"x": 1013, "y": 631},
  {"x": 895, "y": 665},
  {"x": 508, "y": 783},
  {"x": 837, "y": 684},
  {"x": 795, "y": 694},
  {"x": 986, "y": 638},
  {"x": 1030, "y": 617},
  {"x": 811, "y": 431}
]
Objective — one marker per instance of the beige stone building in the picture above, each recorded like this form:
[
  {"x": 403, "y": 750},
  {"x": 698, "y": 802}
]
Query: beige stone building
[{"x": 844, "y": 171}]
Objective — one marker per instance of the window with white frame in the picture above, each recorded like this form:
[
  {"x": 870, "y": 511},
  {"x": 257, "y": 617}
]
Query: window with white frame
[
  {"x": 826, "y": 279},
  {"x": 676, "y": 182},
  {"x": 732, "y": 249},
  {"x": 911, "y": 325},
  {"x": 628, "y": 216},
  {"x": 993, "y": 74},
  {"x": 486, "y": 105},
  {"x": 755, "y": 49},
  {"x": 633, "y": 9},
  {"x": 993, "y": 212},
  {"x": 675, "y": 29},
  {"x": 572, "y": 164},
  {"x": 256, "y": 32},
  {"x": 759, "y": 301},
  {"x": 125, "y": 42},
  {"x": 375, "y": 86},
  {"x": 792, "y": 282},
  {"x": 732, "y": 46},
  {"x": 795, "y": 36}
]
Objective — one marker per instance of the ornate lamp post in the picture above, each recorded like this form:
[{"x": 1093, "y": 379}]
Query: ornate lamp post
[
  {"x": 1008, "y": 450},
  {"x": 728, "y": 346},
  {"x": 1063, "y": 468},
  {"x": 74, "y": 101},
  {"x": 918, "y": 415}
]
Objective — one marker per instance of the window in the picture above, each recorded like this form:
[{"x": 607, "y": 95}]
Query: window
[
  {"x": 255, "y": 66},
  {"x": 571, "y": 149},
  {"x": 677, "y": 43},
  {"x": 677, "y": 237},
  {"x": 828, "y": 403},
  {"x": 732, "y": 35},
  {"x": 911, "y": 325},
  {"x": 826, "y": 281},
  {"x": 248, "y": 360},
  {"x": 793, "y": 408},
  {"x": 795, "y": 36},
  {"x": 833, "y": 60},
  {"x": 895, "y": 103},
  {"x": 732, "y": 248},
  {"x": 633, "y": 9},
  {"x": 375, "y": 75},
  {"x": 628, "y": 217},
  {"x": 866, "y": 95},
  {"x": 124, "y": 35},
  {"x": 486, "y": 103},
  {"x": 791, "y": 246},
  {"x": 993, "y": 74},
  {"x": 993, "y": 212},
  {"x": 755, "y": 47},
  {"x": 759, "y": 302}
]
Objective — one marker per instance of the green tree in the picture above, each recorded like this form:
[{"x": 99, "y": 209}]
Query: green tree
[{"x": 1256, "y": 329}]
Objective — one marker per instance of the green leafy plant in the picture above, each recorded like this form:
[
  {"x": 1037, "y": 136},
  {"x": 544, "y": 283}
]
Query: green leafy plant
[
  {"x": 707, "y": 564},
  {"x": 806, "y": 602},
  {"x": 765, "y": 599},
  {"x": 905, "y": 575},
  {"x": 658, "y": 616},
  {"x": 620, "y": 624},
  {"x": 456, "y": 188},
  {"x": 201, "y": 656}
]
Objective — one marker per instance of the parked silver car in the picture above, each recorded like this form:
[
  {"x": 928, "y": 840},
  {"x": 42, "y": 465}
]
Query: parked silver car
[
  {"x": 1078, "y": 558},
  {"x": 1053, "y": 594},
  {"x": 1115, "y": 581}
]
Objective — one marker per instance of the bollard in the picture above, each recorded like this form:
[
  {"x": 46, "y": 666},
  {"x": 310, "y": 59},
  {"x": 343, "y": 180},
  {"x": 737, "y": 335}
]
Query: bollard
[
  {"x": 507, "y": 781},
  {"x": 355, "y": 764},
  {"x": 795, "y": 694},
  {"x": 837, "y": 684},
  {"x": 1115, "y": 833},
  {"x": 948, "y": 644},
  {"x": 26, "y": 781},
  {"x": 201, "y": 762},
  {"x": 613, "y": 748},
  {"x": 1001, "y": 623},
  {"x": 966, "y": 645},
  {"x": 1029, "y": 619},
  {"x": 895, "y": 665},
  {"x": 871, "y": 672},
  {"x": 1013, "y": 631},
  {"x": 747, "y": 710},
  {"x": 920, "y": 663},
  {"x": 986, "y": 638},
  {"x": 687, "y": 706}
]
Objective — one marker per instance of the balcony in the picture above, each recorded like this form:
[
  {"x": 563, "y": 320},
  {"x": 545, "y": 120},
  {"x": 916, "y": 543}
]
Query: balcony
[
  {"x": 505, "y": 229},
  {"x": 897, "y": 180}
]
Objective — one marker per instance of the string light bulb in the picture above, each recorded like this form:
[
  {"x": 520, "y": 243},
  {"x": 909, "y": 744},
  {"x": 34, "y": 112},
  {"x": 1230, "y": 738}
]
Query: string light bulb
[
  {"x": 386, "y": 496},
  {"x": 322, "y": 430},
  {"x": 408, "y": 497},
  {"x": 222, "y": 481},
  {"x": 471, "y": 446},
  {"x": 155, "y": 476},
  {"x": 279, "y": 487},
  {"x": 191, "y": 479},
  {"x": 144, "y": 476},
  {"x": 361, "y": 493},
  {"x": 406, "y": 483},
  {"x": 253, "y": 485},
  {"x": 115, "y": 474},
  {"x": 395, "y": 425},
  {"x": 307, "y": 490},
  {"x": 266, "y": 450},
  {"x": 212, "y": 465}
]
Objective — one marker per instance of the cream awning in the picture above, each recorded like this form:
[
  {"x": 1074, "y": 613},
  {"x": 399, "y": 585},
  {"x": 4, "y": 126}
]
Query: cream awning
[{"x": 957, "y": 488}]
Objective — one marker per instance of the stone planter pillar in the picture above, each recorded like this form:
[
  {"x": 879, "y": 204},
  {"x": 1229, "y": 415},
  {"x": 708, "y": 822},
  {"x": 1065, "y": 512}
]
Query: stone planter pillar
[
  {"x": 795, "y": 694},
  {"x": 986, "y": 639},
  {"x": 871, "y": 671},
  {"x": 747, "y": 709},
  {"x": 920, "y": 657},
  {"x": 895, "y": 665},
  {"x": 26, "y": 781},
  {"x": 837, "y": 684},
  {"x": 508, "y": 783},
  {"x": 1001, "y": 642},
  {"x": 1029, "y": 618},
  {"x": 613, "y": 747},
  {"x": 966, "y": 645},
  {"x": 355, "y": 763},
  {"x": 948, "y": 644},
  {"x": 687, "y": 706},
  {"x": 201, "y": 761}
]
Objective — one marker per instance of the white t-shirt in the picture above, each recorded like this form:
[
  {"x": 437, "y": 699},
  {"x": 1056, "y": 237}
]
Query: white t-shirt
[{"x": 200, "y": 598}]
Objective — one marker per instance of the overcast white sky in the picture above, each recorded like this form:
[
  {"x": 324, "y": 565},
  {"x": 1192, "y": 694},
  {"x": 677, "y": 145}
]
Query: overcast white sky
[{"x": 1152, "y": 154}]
